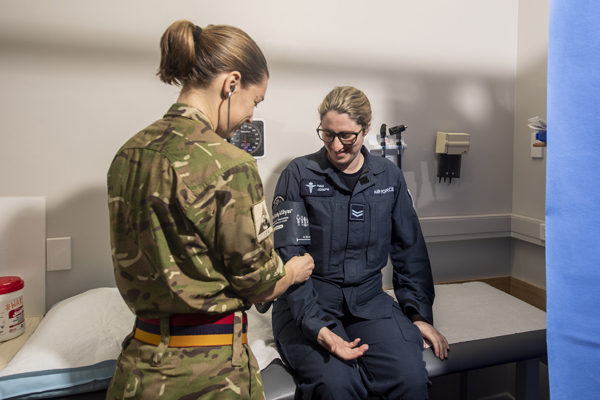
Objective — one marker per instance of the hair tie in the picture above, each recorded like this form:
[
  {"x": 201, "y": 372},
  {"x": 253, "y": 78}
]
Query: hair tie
[{"x": 197, "y": 33}]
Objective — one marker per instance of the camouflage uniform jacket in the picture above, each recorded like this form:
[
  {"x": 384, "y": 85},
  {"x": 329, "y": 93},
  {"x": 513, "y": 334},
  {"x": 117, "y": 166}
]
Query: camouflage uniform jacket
[{"x": 190, "y": 230}]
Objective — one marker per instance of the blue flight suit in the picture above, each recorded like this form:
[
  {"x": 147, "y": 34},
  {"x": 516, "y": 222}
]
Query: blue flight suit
[{"x": 352, "y": 233}]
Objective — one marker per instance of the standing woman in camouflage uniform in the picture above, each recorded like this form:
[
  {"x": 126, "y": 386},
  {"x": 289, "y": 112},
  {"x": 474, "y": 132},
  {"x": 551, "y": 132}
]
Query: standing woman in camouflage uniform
[{"x": 190, "y": 233}]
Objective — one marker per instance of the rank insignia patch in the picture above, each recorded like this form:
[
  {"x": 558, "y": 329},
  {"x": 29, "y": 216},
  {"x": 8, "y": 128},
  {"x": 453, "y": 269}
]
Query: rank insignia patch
[{"x": 357, "y": 212}]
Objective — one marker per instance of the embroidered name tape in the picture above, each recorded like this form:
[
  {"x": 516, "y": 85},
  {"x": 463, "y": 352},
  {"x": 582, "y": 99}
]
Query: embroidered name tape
[{"x": 315, "y": 187}]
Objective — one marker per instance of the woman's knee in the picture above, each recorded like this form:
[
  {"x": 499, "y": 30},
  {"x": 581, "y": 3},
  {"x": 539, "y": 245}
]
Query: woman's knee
[
  {"x": 339, "y": 386},
  {"x": 406, "y": 385},
  {"x": 333, "y": 379},
  {"x": 396, "y": 374}
]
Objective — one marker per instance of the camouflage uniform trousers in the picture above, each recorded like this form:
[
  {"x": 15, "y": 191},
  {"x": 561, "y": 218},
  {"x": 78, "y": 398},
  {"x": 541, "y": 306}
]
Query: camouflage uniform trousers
[{"x": 185, "y": 373}]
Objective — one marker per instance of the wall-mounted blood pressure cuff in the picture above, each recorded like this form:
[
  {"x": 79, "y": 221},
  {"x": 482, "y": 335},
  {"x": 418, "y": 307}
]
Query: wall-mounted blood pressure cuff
[{"x": 290, "y": 224}]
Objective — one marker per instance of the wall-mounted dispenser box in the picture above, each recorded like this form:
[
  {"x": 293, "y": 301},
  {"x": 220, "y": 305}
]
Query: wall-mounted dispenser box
[
  {"x": 450, "y": 147},
  {"x": 452, "y": 143}
]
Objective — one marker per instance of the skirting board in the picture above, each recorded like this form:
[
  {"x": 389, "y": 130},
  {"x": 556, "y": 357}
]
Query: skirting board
[{"x": 468, "y": 227}]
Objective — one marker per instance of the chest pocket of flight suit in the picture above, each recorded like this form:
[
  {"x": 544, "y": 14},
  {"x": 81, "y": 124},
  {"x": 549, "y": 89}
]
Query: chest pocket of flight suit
[{"x": 381, "y": 205}]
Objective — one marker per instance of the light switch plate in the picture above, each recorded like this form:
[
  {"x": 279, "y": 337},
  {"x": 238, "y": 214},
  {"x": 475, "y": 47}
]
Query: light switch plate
[
  {"x": 536, "y": 152},
  {"x": 58, "y": 254}
]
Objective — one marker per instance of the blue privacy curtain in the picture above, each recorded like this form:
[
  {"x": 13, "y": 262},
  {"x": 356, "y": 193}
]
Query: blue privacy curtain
[{"x": 573, "y": 199}]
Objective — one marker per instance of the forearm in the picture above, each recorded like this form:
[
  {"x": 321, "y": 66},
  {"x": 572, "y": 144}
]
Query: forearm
[
  {"x": 277, "y": 289},
  {"x": 412, "y": 277}
]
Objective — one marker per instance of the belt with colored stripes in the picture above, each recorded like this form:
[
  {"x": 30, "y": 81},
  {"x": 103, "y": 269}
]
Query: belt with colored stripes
[{"x": 191, "y": 330}]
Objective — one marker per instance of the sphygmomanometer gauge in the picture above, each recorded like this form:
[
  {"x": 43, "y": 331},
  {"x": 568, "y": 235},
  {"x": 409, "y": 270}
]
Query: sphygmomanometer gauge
[{"x": 251, "y": 138}]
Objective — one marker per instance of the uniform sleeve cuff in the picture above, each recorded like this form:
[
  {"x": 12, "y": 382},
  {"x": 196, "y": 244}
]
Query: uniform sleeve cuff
[
  {"x": 266, "y": 276},
  {"x": 313, "y": 326}
]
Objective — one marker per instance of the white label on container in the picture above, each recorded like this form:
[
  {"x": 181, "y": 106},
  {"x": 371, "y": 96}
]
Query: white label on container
[{"x": 12, "y": 317}]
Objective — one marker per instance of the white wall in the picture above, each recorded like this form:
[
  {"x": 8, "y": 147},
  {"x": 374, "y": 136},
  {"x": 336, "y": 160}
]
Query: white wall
[
  {"x": 528, "y": 262},
  {"x": 78, "y": 80},
  {"x": 529, "y": 179}
]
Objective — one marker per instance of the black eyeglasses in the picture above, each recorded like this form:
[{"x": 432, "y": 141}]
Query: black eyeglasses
[{"x": 344, "y": 137}]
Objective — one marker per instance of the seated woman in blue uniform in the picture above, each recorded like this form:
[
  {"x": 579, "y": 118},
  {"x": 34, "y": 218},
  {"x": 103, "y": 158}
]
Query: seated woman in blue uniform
[{"x": 341, "y": 333}]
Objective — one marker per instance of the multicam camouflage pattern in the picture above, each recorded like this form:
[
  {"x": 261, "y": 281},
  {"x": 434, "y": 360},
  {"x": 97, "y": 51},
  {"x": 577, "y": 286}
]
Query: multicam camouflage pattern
[
  {"x": 183, "y": 206},
  {"x": 182, "y": 226},
  {"x": 185, "y": 373}
]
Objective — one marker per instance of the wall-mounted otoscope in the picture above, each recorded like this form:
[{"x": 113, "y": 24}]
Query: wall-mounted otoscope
[
  {"x": 393, "y": 131},
  {"x": 382, "y": 132},
  {"x": 397, "y": 130}
]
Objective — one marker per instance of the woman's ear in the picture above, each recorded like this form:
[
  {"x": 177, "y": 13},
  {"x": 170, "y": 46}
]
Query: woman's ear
[
  {"x": 232, "y": 83},
  {"x": 367, "y": 129}
]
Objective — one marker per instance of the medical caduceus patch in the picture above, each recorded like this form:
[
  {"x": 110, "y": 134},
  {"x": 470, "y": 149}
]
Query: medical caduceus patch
[
  {"x": 357, "y": 212},
  {"x": 262, "y": 221}
]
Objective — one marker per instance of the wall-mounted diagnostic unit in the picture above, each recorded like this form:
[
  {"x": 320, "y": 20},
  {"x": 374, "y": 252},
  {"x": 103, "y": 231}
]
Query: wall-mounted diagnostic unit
[
  {"x": 251, "y": 138},
  {"x": 450, "y": 147},
  {"x": 385, "y": 145}
]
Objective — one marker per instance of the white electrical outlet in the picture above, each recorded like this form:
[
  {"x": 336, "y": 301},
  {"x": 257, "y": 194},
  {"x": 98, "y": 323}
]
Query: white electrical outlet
[{"x": 543, "y": 231}]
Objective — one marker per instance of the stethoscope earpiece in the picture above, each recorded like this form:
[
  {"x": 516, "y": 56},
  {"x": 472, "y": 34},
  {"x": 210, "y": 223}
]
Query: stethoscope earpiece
[{"x": 231, "y": 90}]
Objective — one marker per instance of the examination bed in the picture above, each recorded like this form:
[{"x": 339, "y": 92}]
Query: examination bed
[{"x": 72, "y": 353}]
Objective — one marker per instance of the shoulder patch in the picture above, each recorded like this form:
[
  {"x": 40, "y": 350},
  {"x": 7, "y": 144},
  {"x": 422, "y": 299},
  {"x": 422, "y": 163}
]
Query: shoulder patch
[
  {"x": 315, "y": 187},
  {"x": 278, "y": 199},
  {"x": 262, "y": 221}
]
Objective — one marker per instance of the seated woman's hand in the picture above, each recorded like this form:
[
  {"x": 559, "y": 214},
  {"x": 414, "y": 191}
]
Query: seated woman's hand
[
  {"x": 338, "y": 346},
  {"x": 437, "y": 340}
]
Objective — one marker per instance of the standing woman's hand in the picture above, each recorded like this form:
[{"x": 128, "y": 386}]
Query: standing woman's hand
[
  {"x": 301, "y": 267},
  {"x": 297, "y": 270}
]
